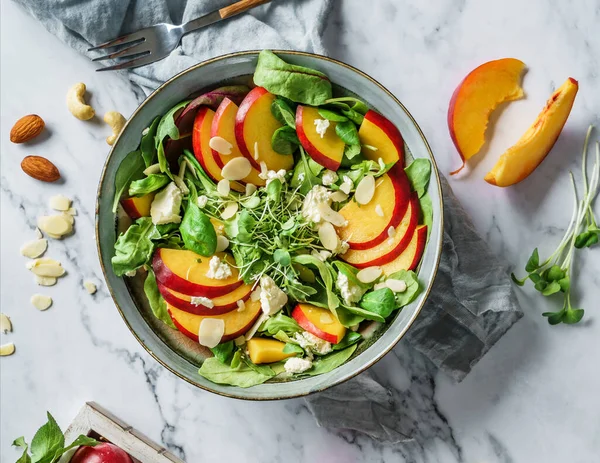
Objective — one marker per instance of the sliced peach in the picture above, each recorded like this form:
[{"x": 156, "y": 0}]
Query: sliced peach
[
  {"x": 521, "y": 159},
  {"x": 223, "y": 126},
  {"x": 411, "y": 256},
  {"x": 138, "y": 206},
  {"x": 368, "y": 224},
  {"x": 185, "y": 272},
  {"x": 320, "y": 322},
  {"x": 222, "y": 304},
  {"x": 378, "y": 132},
  {"x": 327, "y": 150},
  {"x": 254, "y": 128},
  {"x": 392, "y": 247},
  {"x": 236, "y": 323},
  {"x": 261, "y": 350},
  {"x": 476, "y": 97}
]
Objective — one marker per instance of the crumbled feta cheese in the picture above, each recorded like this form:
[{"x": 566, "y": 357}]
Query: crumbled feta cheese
[
  {"x": 217, "y": 269},
  {"x": 166, "y": 204},
  {"x": 321, "y": 126},
  {"x": 202, "y": 200},
  {"x": 329, "y": 177},
  {"x": 350, "y": 292},
  {"x": 241, "y": 306},
  {"x": 297, "y": 365},
  {"x": 321, "y": 255},
  {"x": 342, "y": 247},
  {"x": 272, "y": 299},
  {"x": 347, "y": 185},
  {"x": 309, "y": 341},
  {"x": 310, "y": 208},
  {"x": 270, "y": 175},
  {"x": 200, "y": 300}
]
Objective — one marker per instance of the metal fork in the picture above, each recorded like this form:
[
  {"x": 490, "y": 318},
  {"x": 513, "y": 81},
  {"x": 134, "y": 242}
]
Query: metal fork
[{"x": 157, "y": 42}]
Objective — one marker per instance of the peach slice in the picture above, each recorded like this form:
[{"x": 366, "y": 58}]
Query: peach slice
[
  {"x": 392, "y": 247},
  {"x": 138, "y": 206},
  {"x": 411, "y": 256},
  {"x": 368, "y": 224},
  {"x": 520, "y": 160},
  {"x": 236, "y": 323},
  {"x": 327, "y": 150},
  {"x": 185, "y": 272},
  {"x": 320, "y": 322},
  {"x": 476, "y": 97},
  {"x": 254, "y": 128},
  {"x": 378, "y": 132},
  {"x": 223, "y": 126},
  {"x": 222, "y": 304},
  {"x": 261, "y": 350}
]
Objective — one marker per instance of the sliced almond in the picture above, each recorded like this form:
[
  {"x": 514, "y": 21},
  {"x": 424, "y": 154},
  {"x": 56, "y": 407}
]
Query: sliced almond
[
  {"x": 223, "y": 187},
  {"x": 330, "y": 215},
  {"x": 211, "y": 332},
  {"x": 397, "y": 286},
  {"x": 379, "y": 210},
  {"x": 263, "y": 169},
  {"x": 35, "y": 248},
  {"x": 379, "y": 286},
  {"x": 255, "y": 296},
  {"x": 256, "y": 151},
  {"x": 72, "y": 211},
  {"x": 236, "y": 169},
  {"x": 38, "y": 233},
  {"x": 346, "y": 185},
  {"x": 90, "y": 287},
  {"x": 69, "y": 218},
  {"x": 222, "y": 243},
  {"x": 369, "y": 274},
  {"x": 220, "y": 145},
  {"x": 365, "y": 190},
  {"x": 339, "y": 196},
  {"x": 391, "y": 231},
  {"x": 60, "y": 203},
  {"x": 45, "y": 281},
  {"x": 229, "y": 211},
  {"x": 7, "y": 349},
  {"x": 5, "y": 324},
  {"x": 41, "y": 302},
  {"x": 54, "y": 225},
  {"x": 241, "y": 306},
  {"x": 153, "y": 169},
  {"x": 44, "y": 267},
  {"x": 328, "y": 236},
  {"x": 250, "y": 189},
  {"x": 254, "y": 328}
]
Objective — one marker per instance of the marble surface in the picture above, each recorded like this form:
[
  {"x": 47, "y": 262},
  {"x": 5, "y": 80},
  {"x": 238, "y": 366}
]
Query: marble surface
[{"x": 534, "y": 397}]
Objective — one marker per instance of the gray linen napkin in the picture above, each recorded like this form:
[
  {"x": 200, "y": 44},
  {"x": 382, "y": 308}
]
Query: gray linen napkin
[{"x": 472, "y": 304}]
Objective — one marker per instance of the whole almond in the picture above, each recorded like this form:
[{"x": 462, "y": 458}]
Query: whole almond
[
  {"x": 40, "y": 169},
  {"x": 27, "y": 128}
]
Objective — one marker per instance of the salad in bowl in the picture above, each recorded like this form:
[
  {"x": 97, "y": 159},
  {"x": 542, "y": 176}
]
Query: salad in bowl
[{"x": 276, "y": 224}]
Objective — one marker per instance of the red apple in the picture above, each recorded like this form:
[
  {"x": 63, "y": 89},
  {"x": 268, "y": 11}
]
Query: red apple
[
  {"x": 101, "y": 453},
  {"x": 378, "y": 132},
  {"x": 411, "y": 256},
  {"x": 320, "y": 322},
  {"x": 327, "y": 150}
]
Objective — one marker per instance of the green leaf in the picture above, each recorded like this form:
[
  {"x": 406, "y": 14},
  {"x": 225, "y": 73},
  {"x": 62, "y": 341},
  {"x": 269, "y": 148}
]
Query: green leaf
[
  {"x": 357, "y": 105},
  {"x": 419, "y": 173},
  {"x": 282, "y": 257},
  {"x": 274, "y": 191},
  {"x": 587, "y": 239},
  {"x": 311, "y": 261},
  {"x": 517, "y": 281},
  {"x": 541, "y": 285},
  {"x": 413, "y": 288},
  {"x": 162, "y": 161},
  {"x": 351, "y": 273},
  {"x": 358, "y": 314},
  {"x": 134, "y": 248},
  {"x": 303, "y": 176},
  {"x": 80, "y": 441},
  {"x": 147, "y": 145},
  {"x": 331, "y": 115},
  {"x": 198, "y": 232},
  {"x": 351, "y": 337},
  {"x": 426, "y": 211},
  {"x": 353, "y": 115},
  {"x": 224, "y": 352},
  {"x": 284, "y": 140},
  {"x": 347, "y": 133},
  {"x": 166, "y": 126},
  {"x": 148, "y": 184},
  {"x": 47, "y": 442},
  {"x": 352, "y": 151},
  {"x": 534, "y": 261},
  {"x": 330, "y": 361},
  {"x": 131, "y": 168},
  {"x": 552, "y": 288},
  {"x": 554, "y": 273},
  {"x": 283, "y": 113},
  {"x": 280, "y": 322},
  {"x": 554, "y": 318},
  {"x": 205, "y": 180},
  {"x": 236, "y": 360},
  {"x": 155, "y": 299},
  {"x": 565, "y": 284},
  {"x": 20, "y": 442},
  {"x": 241, "y": 376},
  {"x": 380, "y": 302},
  {"x": 572, "y": 316},
  {"x": 293, "y": 349},
  {"x": 297, "y": 83},
  {"x": 534, "y": 277}
]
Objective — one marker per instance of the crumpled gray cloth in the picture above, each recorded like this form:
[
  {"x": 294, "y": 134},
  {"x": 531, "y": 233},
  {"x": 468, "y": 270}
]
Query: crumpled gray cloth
[{"x": 472, "y": 303}]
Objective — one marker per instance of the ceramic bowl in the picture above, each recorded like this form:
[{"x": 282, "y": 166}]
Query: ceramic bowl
[{"x": 169, "y": 347}]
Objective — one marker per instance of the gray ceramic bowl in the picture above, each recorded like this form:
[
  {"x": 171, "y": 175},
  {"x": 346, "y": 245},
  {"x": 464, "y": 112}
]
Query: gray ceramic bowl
[{"x": 169, "y": 347}]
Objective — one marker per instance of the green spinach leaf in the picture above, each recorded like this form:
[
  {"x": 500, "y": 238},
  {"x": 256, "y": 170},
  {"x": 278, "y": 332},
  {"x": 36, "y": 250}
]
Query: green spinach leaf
[
  {"x": 413, "y": 287},
  {"x": 147, "y": 145},
  {"x": 330, "y": 361},
  {"x": 354, "y": 116},
  {"x": 282, "y": 111},
  {"x": 290, "y": 348},
  {"x": 148, "y": 184},
  {"x": 351, "y": 337},
  {"x": 361, "y": 313},
  {"x": 224, "y": 352},
  {"x": 134, "y": 248},
  {"x": 380, "y": 302},
  {"x": 167, "y": 127},
  {"x": 347, "y": 133},
  {"x": 331, "y": 115},
  {"x": 419, "y": 173},
  {"x": 197, "y": 231},
  {"x": 326, "y": 276},
  {"x": 131, "y": 168},
  {"x": 155, "y": 299},
  {"x": 284, "y": 140},
  {"x": 242, "y": 376},
  {"x": 280, "y": 322}
]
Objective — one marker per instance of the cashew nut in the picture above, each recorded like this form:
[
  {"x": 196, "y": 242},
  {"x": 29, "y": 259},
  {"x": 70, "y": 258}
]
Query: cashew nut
[
  {"x": 116, "y": 122},
  {"x": 76, "y": 103}
]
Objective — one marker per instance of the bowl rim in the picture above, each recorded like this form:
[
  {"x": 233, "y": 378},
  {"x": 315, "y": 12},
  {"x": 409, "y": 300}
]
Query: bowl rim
[{"x": 400, "y": 335}]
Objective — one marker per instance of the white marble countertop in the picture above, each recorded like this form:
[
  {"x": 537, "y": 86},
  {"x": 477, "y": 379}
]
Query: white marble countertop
[{"x": 534, "y": 397}]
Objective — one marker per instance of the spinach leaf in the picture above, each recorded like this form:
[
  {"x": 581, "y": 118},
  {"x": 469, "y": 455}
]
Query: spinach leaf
[
  {"x": 352, "y": 151},
  {"x": 413, "y": 287},
  {"x": 147, "y": 145},
  {"x": 147, "y": 185},
  {"x": 426, "y": 211},
  {"x": 280, "y": 322},
  {"x": 297, "y": 83},
  {"x": 224, "y": 352},
  {"x": 236, "y": 360},
  {"x": 163, "y": 162},
  {"x": 167, "y": 127},
  {"x": 331, "y": 115},
  {"x": 350, "y": 272},
  {"x": 351, "y": 337},
  {"x": 284, "y": 140},
  {"x": 283, "y": 113},
  {"x": 326, "y": 276},
  {"x": 354, "y": 116},
  {"x": 242, "y": 376},
  {"x": 353, "y": 315},
  {"x": 357, "y": 105},
  {"x": 293, "y": 349},
  {"x": 419, "y": 173},
  {"x": 20, "y": 442},
  {"x": 282, "y": 257},
  {"x": 274, "y": 191},
  {"x": 347, "y": 133},
  {"x": 380, "y": 302},
  {"x": 197, "y": 231},
  {"x": 134, "y": 248},
  {"x": 205, "y": 180},
  {"x": 47, "y": 442},
  {"x": 155, "y": 299},
  {"x": 131, "y": 168},
  {"x": 303, "y": 176},
  {"x": 330, "y": 361}
]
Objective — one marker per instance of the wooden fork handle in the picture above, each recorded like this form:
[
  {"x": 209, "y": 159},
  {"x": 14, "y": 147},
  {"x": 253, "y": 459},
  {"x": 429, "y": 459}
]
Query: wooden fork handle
[{"x": 240, "y": 7}]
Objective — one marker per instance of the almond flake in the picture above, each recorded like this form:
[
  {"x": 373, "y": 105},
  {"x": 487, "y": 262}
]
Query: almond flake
[
  {"x": 222, "y": 243},
  {"x": 211, "y": 332},
  {"x": 5, "y": 324},
  {"x": 229, "y": 211},
  {"x": 69, "y": 218},
  {"x": 241, "y": 306},
  {"x": 379, "y": 286},
  {"x": 35, "y": 248},
  {"x": 328, "y": 236},
  {"x": 397, "y": 286},
  {"x": 38, "y": 233},
  {"x": 153, "y": 169},
  {"x": 255, "y": 296},
  {"x": 71, "y": 211},
  {"x": 60, "y": 203},
  {"x": 346, "y": 185},
  {"x": 220, "y": 145},
  {"x": 44, "y": 267},
  {"x": 338, "y": 196},
  {"x": 45, "y": 281},
  {"x": 223, "y": 187},
  {"x": 250, "y": 189},
  {"x": 379, "y": 210},
  {"x": 7, "y": 349},
  {"x": 331, "y": 216},
  {"x": 391, "y": 231},
  {"x": 41, "y": 302},
  {"x": 256, "y": 151},
  {"x": 365, "y": 190},
  {"x": 369, "y": 274},
  {"x": 54, "y": 225},
  {"x": 263, "y": 169},
  {"x": 236, "y": 169},
  {"x": 90, "y": 287}
]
